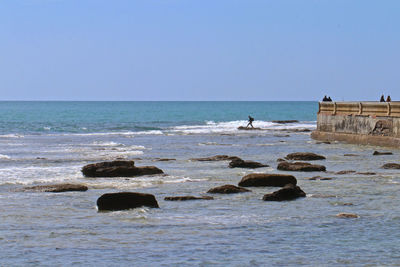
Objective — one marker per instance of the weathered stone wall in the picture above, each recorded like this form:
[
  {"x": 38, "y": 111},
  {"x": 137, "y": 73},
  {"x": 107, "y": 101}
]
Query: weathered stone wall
[{"x": 355, "y": 122}]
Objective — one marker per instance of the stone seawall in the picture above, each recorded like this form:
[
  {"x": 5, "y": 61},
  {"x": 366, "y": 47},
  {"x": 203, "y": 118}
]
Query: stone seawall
[{"x": 370, "y": 123}]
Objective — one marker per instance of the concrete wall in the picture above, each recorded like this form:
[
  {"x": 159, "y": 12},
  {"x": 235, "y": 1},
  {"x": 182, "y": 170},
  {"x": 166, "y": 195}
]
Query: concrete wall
[{"x": 358, "y": 122}]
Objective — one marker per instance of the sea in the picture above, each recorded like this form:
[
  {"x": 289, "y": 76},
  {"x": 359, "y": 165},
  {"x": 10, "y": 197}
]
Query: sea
[{"x": 45, "y": 143}]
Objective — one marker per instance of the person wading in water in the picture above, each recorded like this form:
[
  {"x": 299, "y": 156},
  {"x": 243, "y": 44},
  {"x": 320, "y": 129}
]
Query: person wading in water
[{"x": 251, "y": 119}]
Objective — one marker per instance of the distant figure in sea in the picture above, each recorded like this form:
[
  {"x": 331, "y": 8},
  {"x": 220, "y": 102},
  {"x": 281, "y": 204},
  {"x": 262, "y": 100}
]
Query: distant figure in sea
[
  {"x": 251, "y": 119},
  {"x": 382, "y": 98},
  {"x": 388, "y": 99}
]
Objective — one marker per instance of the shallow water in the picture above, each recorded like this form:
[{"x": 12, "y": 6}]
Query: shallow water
[{"x": 50, "y": 229}]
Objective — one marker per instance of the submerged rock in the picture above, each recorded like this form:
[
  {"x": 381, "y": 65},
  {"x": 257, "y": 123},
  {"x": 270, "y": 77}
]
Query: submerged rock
[
  {"x": 301, "y": 167},
  {"x": 304, "y": 156},
  {"x": 118, "y": 168},
  {"x": 267, "y": 179},
  {"x": 377, "y": 153},
  {"x": 351, "y": 155},
  {"x": 319, "y": 178},
  {"x": 184, "y": 198},
  {"x": 164, "y": 159},
  {"x": 239, "y": 163},
  {"x": 288, "y": 192},
  {"x": 125, "y": 200},
  {"x": 393, "y": 166},
  {"x": 227, "y": 189},
  {"x": 215, "y": 158},
  {"x": 285, "y": 121},
  {"x": 366, "y": 173},
  {"x": 345, "y": 172},
  {"x": 56, "y": 188},
  {"x": 347, "y": 215}
]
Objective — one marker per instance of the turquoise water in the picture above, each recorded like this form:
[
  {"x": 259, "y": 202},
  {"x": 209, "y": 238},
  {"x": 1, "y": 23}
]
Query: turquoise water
[
  {"x": 38, "y": 117},
  {"x": 49, "y": 142}
]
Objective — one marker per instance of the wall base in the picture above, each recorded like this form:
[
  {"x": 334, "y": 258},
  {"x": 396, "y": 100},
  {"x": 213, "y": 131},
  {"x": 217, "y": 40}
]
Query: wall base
[{"x": 361, "y": 139}]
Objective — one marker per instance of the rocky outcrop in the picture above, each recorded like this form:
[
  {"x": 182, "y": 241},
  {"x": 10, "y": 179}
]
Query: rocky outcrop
[
  {"x": 184, "y": 198},
  {"x": 285, "y": 121},
  {"x": 248, "y": 128},
  {"x": 393, "y": 166},
  {"x": 125, "y": 200},
  {"x": 288, "y": 192},
  {"x": 377, "y": 153},
  {"x": 300, "y": 167},
  {"x": 56, "y": 188},
  {"x": 118, "y": 168},
  {"x": 267, "y": 179},
  {"x": 347, "y": 215},
  {"x": 215, "y": 158},
  {"x": 227, "y": 189},
  {"x": 304, "y": 156},
  {"x": 239, "y": 163}
]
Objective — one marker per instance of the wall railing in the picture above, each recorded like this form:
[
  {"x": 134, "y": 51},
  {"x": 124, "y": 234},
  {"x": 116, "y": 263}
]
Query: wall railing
[{"x": 391, "y": 109}]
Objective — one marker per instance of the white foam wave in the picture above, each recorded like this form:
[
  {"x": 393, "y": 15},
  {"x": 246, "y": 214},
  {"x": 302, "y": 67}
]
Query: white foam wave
[
  {"x": 11, "y": 136},
  {"x": 232, "y": 127},
  {"x": 2, "y": 156}
]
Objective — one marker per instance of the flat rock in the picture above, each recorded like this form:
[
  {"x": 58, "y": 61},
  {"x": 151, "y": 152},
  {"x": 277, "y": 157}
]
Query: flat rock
[
  {"x": 347, "y": 215},
  {"x": 301, "y": 167},
  {"x": 164, "y": 159},
  {"x": 215, "y": 158},
  {"x": 345, "y": 172},
  {"x": 227, "y": 189},
  {"x": 304, "y": 130},
  {"x": 184, "y": 198},
  {"x": 351, "y": 155},
  {"x": 56, "y": 188},
  {"x": 323, "y": 142},
  {"x": 248, "y": 128},
  {"x": 393, "y": 166},
  {"x": 267, "y": 179},
  {"x": 304, "y": 156},
  {"x": 285, "y": 121},
  {"x": 377, "y": 153},
  {"x": 125, "y": 200},
  {"x": 118, "y": 168},
  {"x": 288, "y": 192},
  {"x": 239, "y": 163}
]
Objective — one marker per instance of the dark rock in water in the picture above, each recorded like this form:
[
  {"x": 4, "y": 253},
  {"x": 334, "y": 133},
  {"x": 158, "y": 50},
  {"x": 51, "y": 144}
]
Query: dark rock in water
[
  {"x": 184, "y": 198},
  {"x": 377, "y": 153},
  {"x": 393, "y": 166},
  {"x": 248, "y": 128},
  {"x": 304, "y": 130},
  {"x": 239, "y": 163},
  {"x": 347, "y": 215},
  {"x": 285, "y": 121},
  {"x": 281, "y": 135},
  {"x": 324, "y": 142},
  {"x": 288, "y": 192},
  {"x": 125, "y": 200},
  {"x": 350, "y": 155},
  {"x": 118, "y": 168},
  {"x": 280, "y": 160},
  {"x": 366, "y": 173},
  {"x": 56, "y": 188},
  {"x": 319, "y": 178},
  {"x": 227, "y": 189},
  {"x": 164, "y": 159},
  {"x": 304, "y": 156},
  {"x": 301, "y": 167},
  {"x": 215, "y": 158},
  {"x": 345, "y": 172},
  {"x": 267, "y": 179}
]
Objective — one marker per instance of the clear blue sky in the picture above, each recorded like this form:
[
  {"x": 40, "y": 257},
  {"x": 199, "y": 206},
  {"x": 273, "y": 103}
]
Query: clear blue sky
[{"x": 199, "y": 50}]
